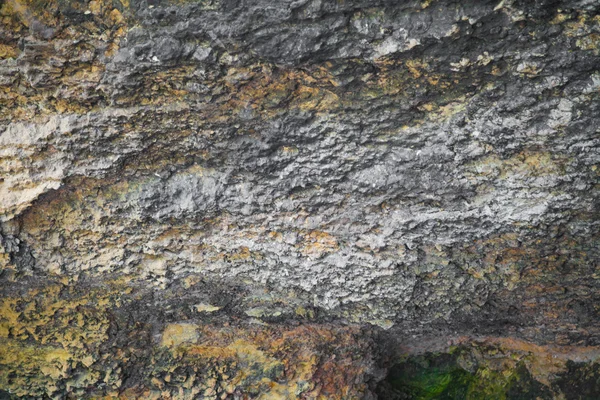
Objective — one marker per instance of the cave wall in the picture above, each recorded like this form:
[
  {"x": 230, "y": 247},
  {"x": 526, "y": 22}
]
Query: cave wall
[{"x": 286, "y": 199}]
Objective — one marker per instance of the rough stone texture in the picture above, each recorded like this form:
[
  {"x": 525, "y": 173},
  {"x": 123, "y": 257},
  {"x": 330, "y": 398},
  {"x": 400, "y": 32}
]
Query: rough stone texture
[{"x": 338, "y": 181}]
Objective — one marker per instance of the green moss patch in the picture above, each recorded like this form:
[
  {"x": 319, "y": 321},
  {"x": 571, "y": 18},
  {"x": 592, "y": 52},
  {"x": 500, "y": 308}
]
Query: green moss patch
[{"x": 440, "y": 376}]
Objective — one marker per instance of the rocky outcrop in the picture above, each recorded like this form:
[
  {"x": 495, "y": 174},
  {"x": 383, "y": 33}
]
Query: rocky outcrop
[{"x": 286, "y": 199}]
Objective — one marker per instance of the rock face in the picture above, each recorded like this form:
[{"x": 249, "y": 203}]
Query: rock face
[{"x": 286, "y": 199}]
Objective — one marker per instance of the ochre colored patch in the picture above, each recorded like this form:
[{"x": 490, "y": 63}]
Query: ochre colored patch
[{"x": 177, "y": 334}]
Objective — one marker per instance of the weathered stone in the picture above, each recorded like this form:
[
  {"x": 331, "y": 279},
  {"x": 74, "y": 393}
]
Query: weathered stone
[{"x": 284, "y": 199}]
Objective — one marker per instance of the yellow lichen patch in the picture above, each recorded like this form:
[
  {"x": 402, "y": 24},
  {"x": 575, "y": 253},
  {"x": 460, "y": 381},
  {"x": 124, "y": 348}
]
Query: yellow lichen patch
[
  {"x": 29, "y": 11},
  {"x": 74, "y": 70},
  {"x": 532, "y": 164},
  {"x": 50, "y": 330},
  {"x": 305, "y": 362},
  {"x": 160, "y": 87},
  {"x": 316, "y": 243},
  {"x": 277, "y": 236},
  {"x": 8, "y": 51},
  {"x": 415, "y": 67},
  {"x": 311, "y": 361},
  {"x": 254, "y": 367},
  {"x": 289, "y": 150},
  {"x": 584, "y": 28},
  {"x": 177, "y": 334},
  {"x": 575, "y": 25},
  {"x": 309, "y": 99},
  {"x": 46, "y": 316},
  {"x": 528, "y": 69},
  {"x": 425, "y": 3},
  {"x": 428, "y": 107},
  {"x": 21, "y": 362},
  {"x": 10, "y": 18},
  {"x": 240, "y": 349},
  {"x": 559, "y": 18},
  {"x": 265, "y": 90},
  {"x": 206, "y": 308},
  {"x": 304, "y": 313},
  {"x": 83, "y": 73},
  {"x": 497, "y": 71},
  {"x": 523, "y": 165},
  {"x": 445, "y": 112},
  {"x": 397, "y": 77},
  {"x": 589, "y": 42},
  {"x": 242, "y": 253}
]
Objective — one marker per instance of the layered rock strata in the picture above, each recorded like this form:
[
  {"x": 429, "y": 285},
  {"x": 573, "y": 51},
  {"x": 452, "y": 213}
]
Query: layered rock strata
[{"x": 299, "y": 199}]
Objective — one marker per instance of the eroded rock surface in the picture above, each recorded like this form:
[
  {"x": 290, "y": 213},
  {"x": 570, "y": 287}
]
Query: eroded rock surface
[{"x": 267, "y": 194}]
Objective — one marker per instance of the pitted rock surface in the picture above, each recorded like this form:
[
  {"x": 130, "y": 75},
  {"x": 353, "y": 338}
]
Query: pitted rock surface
[{"x": 414, "y": 168}]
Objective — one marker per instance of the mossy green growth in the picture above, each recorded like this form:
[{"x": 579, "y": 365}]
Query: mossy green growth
[
  {"x": 426, "y": 378},
  {"x": 439, "y": 376},
  {"x": 489, "y": 384}
]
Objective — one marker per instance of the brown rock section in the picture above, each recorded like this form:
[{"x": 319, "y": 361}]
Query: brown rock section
[{"x": 116, "y": 341}]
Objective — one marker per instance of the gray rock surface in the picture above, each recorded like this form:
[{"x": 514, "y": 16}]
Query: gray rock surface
[{"x": 427, "y": 167}]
